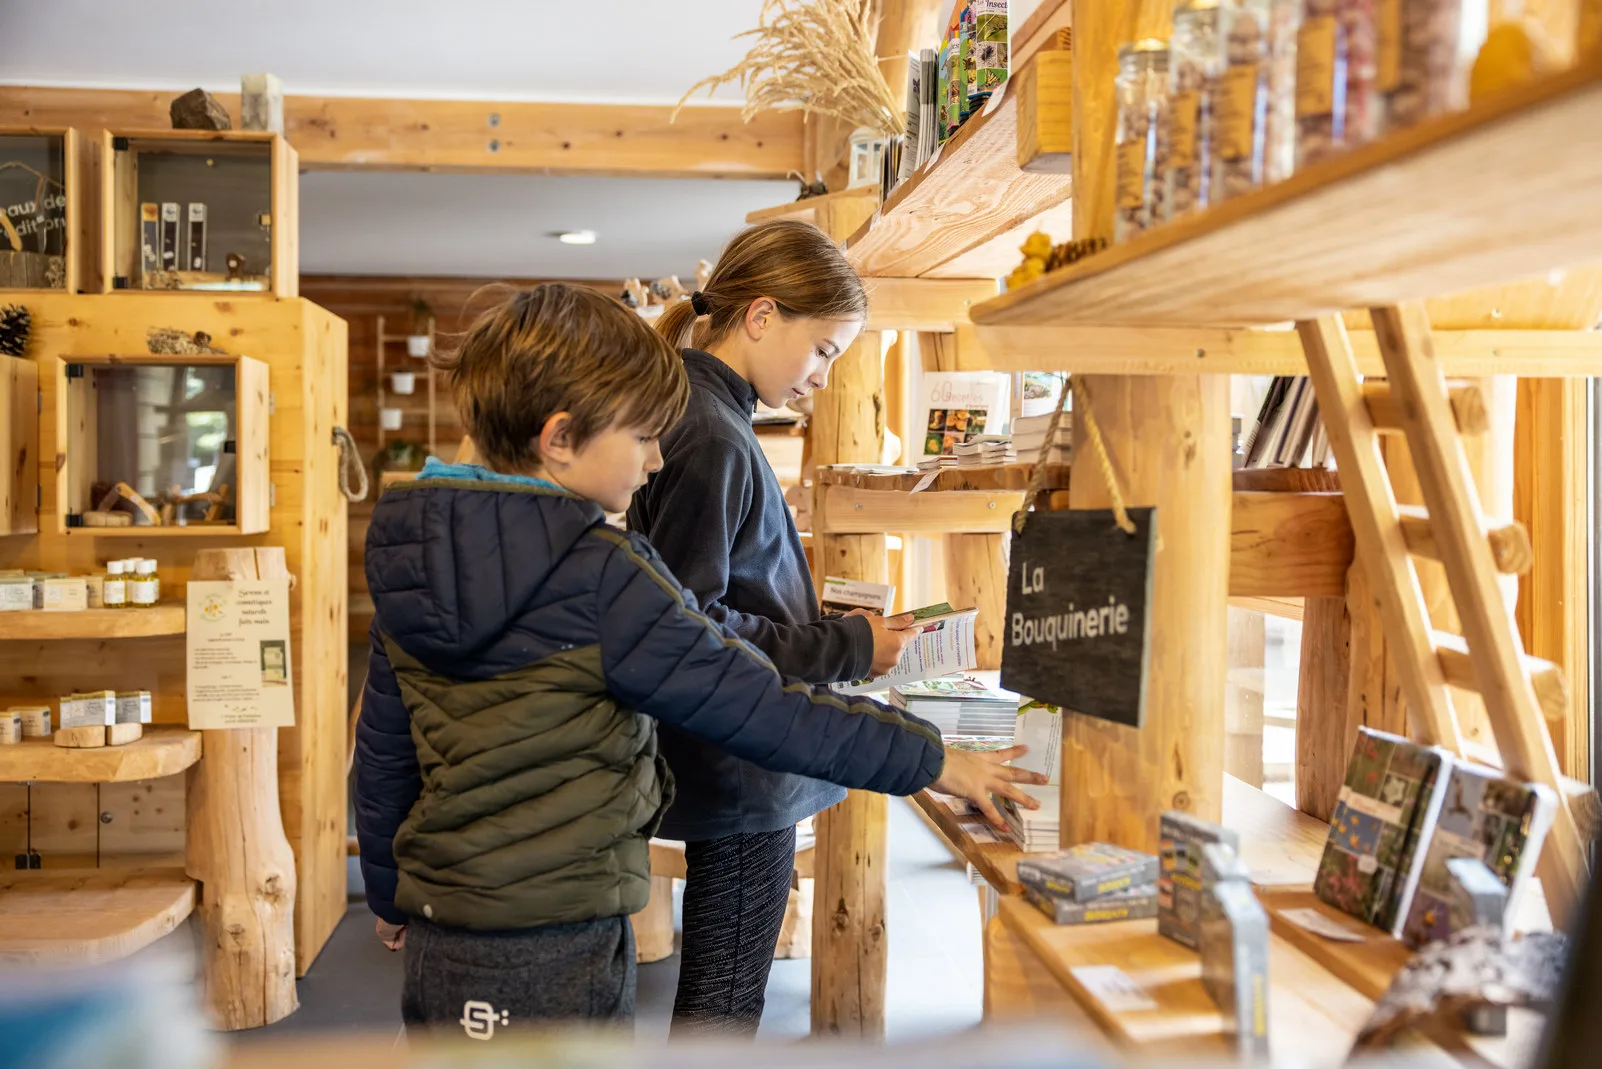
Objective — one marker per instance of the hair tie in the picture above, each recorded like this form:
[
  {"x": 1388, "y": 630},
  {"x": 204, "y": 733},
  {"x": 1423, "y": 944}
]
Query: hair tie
[{"x": 699, "y": 303}]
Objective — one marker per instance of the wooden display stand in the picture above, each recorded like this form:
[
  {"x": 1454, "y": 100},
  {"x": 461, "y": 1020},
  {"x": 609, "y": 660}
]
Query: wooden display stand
[
  {"x": 113, "y": 830},
  {"x": 79, "y": 270},
  {"x": 1153, "y": 325}
]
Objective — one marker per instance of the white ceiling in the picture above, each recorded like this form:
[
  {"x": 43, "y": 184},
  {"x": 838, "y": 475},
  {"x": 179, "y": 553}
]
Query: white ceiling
[{"x": 618, "y": 51}]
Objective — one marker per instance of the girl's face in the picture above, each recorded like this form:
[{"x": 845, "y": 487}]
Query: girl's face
[{"x": 791, "y": 357}]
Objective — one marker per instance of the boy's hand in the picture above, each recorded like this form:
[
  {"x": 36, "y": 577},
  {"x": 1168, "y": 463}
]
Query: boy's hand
[
  {"x": 890, "y": 636},
  {"x": 392, "y": 935},
  {"x": 976, "y": 776}
]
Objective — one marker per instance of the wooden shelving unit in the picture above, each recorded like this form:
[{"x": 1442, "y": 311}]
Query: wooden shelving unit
[
  {"x": 88, "y": 917},
  {"x": 92, "y": 624},
  {"x": 163, "y": 750}
]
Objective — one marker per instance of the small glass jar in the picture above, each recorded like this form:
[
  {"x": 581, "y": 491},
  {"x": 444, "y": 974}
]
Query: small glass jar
[
  {"x": 1142, "y": 91},
  {"x": 1426, "y": 72},
  {"x": 1337, "y": 88},
  {"x": 1184, "y": 140},
  {"x": 1253, "y": 140}
]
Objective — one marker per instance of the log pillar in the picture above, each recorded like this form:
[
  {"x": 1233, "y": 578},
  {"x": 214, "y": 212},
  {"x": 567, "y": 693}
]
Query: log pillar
[
  {"x": 976, "y": 575},
  {"x": 1169, "y": 440},
  {"x": 236, "y": 848}
]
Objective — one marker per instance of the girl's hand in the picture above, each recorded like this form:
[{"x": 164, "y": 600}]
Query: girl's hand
[
  {"x": 890, "y": 636},
  {"x": 392, "y": 935},
  {"x": 976, "y": 776}
]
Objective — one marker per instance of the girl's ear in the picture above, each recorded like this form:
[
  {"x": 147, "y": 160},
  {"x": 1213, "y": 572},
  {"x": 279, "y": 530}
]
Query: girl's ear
[
  {"x": 556, "y": 439},
  {"x": 759, "y": 316}
]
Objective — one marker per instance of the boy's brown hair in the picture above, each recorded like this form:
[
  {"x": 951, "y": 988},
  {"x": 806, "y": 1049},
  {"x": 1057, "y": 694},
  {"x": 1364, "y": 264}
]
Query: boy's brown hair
[{"x": 561, "y": 348}]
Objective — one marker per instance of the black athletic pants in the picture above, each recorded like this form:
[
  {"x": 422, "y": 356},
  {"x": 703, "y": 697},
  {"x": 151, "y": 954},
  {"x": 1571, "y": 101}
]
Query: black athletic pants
[{"x": 735, "y": 893}]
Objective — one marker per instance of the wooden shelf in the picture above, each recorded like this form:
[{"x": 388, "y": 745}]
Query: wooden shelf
[
  {"x": 1281, "y": 845},
  {"x": 87, "y": 917},
  {"x": 950, "y": 480},
  {"x": 93, "y": 624},
  {"x": 1367, "y": 966},
  {"x": 1287, "y": 480},
  {"x": 997, "y": 862},
  {"x": 1510, "y": 189},
  {"x": 966, "y": 211},
  {"x": 164, "y": 750},
  {"x": 171, "y": 530},
  {"x": 806, "y": 211}
]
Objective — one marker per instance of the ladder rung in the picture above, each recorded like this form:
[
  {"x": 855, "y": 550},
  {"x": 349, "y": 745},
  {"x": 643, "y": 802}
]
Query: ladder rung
[
  {"x": 1551, "y": 688},
  {"x": 1510, "y": 542},
  {"x": 1385, "y": 412}
]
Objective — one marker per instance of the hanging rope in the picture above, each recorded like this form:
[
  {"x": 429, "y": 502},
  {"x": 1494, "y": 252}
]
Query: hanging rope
[
  {"x": 351, "y": 468},
  {"x": 1076, "y": 388}
]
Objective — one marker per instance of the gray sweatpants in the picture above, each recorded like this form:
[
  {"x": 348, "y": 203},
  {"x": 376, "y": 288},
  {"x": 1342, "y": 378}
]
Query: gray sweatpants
[{"x": 486, "y": 982}]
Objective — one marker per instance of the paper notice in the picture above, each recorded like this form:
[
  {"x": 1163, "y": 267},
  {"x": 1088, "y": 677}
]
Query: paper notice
[
  {"x": 238, "y": 655},
  {"x": 1113, "y": 988},
  {"x": 1314, "y": 921}
]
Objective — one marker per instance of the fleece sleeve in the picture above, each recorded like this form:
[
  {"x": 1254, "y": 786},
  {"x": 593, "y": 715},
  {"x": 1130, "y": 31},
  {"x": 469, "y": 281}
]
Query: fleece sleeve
[
  {"x": 661, "y": 656},
  {"x": 388, "y": 779},
  {"x": 694, "y": 507}
]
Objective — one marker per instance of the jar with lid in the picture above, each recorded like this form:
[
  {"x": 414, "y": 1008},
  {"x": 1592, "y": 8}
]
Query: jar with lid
[
  {"x": 1183, "y": 141},
  {"x": 1426, "y": 73},
  {"x": 144, "y": 590},
  {"x": 113, "y": 591},
  {"x": 1337, "y": 71},
  {"x": 1142, "y": 92},
  {"x": 1254, "y": 137}
]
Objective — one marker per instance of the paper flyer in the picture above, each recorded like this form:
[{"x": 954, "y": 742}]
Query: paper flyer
[{"x": 238, "y": 655}]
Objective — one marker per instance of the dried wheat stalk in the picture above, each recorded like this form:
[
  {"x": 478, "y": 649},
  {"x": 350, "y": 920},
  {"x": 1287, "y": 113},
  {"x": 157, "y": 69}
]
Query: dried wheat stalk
[{"x": 816, "y": 55}]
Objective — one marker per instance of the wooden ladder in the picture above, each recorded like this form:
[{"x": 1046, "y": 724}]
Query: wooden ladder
[{"x": 1416, "y": 401}]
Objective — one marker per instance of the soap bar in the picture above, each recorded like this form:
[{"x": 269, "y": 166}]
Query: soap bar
[
  {"x": 35, "y": 720},
  {"x": 133, "y": 707},
  {"x": 64, "y": 595},
  {"x": 16, "y": 593},
  {"x": 10, "y": 728},
  {"x": 98, "y": 709}
]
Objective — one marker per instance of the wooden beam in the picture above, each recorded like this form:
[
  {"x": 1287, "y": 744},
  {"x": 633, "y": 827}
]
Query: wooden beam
[
  {"x": 1289, "y": 545},
  {"x": 357, "y": 133},
  {"x": 845, "y": 510},
  {"x": 1212, "y": 350},
  {"x": 924, "y": 304}
]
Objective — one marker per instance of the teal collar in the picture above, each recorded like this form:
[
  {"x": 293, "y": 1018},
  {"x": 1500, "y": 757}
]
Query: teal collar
[{"x": 435, "y": 468}]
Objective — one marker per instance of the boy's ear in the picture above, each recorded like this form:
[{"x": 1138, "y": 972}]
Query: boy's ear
[
  {"x": 759, "y": 315},
  {"x": 556, "y": 439}
]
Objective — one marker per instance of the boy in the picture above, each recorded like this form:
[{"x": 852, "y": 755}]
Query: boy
[{"x": 507, "y": 776}]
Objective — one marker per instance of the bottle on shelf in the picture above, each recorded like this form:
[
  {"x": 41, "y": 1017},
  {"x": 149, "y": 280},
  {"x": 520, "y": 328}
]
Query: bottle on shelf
[
  {"x": 145, "y": 590},
  {"x": 114, "y": 590}
]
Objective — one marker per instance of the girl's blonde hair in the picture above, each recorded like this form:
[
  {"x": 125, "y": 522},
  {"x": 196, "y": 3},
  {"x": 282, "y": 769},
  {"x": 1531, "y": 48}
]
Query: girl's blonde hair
[{"x": 794, "y": 264}]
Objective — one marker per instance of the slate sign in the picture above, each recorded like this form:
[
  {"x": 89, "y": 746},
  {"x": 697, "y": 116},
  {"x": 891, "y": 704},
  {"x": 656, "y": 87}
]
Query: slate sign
[{"x": 1078, "y": 629}]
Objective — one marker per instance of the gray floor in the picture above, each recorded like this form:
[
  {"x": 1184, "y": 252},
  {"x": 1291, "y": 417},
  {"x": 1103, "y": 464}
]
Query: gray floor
[{"x": 934, "y": 971}]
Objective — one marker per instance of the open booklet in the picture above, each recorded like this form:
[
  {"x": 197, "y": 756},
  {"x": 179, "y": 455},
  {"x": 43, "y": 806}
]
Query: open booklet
[{"x": 944, "y": 645}]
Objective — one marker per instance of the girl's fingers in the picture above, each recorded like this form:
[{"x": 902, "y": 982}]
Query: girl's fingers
[
  {"x": 1021, "y": 775},
  {"x": 1011, "y": 793},
  {"x": 989, "y": 810}
]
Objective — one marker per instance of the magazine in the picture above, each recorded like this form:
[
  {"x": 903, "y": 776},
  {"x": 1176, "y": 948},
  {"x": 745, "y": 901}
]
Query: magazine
[
  {"x": 843, "y": 595},
  {"x": 961, "y": 405},
  {"x": 944, "y": 645}
]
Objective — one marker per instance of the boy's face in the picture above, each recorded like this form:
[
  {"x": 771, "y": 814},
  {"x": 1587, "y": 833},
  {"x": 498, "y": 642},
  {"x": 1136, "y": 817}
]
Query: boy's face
[
  {"x": 609, "y": 467},
  {"x": 793, "y": 356}
]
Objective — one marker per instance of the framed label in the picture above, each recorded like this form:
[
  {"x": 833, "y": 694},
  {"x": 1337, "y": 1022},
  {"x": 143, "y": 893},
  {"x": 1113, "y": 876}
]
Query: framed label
[
  {"x": 238, "y": 655},
  {"x": 1078, "y": 627}
]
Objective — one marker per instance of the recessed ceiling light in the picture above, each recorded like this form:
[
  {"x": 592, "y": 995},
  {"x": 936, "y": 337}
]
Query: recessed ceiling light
[{"x": 576, "y": 237}]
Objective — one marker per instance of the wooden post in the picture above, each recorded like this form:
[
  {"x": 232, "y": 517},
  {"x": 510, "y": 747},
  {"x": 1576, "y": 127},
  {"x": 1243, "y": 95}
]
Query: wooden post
[
  {"x": 237, "y": 850},
  {"x": 653, "y": 925},
  {"x": 976, "y": 574},
  {"x": 1325, "y": 729},
  {"x": 1169, "y": 441},
  {"x": 1243, "y": 697},
  {"x": 848, "y": 929}
]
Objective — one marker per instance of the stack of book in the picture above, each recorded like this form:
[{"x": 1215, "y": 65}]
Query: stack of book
[
  {"x": 960, "y": 706},
  {"x": 1029, "y": 439},
  {"x": 984, "y": 450},
  {"x": 1091, "y": 883},
  {"x": 1404, "y": 811},
  {"x": 1288, "y": 433},
  {"x": 935, "y": 463},
  {"x": 1035, "y": 829}
]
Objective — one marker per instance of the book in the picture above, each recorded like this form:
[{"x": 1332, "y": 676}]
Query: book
[
  {"x": 1484, "y": 815},
  {"x": 1179, "y": 872},
  {"x": 944, "y": 645},
  {"x": 961, "y": 405},
  {"x": 1039, "y": 395},
  {"x": 914, "y": 119},
  {"x": 959, "y": 705},
  {"x": 1039, "y": 727},
  {"x": 1392, "y": 788},
  {"x": 1037, "y": 830},
  {"x": 1133, "y": 903},
  {"x": 843, "y": 595},
  {"x": 1233, "y": 938},
  {"x": 1089, "y": 870}
]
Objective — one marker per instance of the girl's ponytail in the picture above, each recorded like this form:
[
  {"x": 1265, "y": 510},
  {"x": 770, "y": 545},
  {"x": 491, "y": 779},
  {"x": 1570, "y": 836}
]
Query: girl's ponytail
[{"x": 792, "y": 263}]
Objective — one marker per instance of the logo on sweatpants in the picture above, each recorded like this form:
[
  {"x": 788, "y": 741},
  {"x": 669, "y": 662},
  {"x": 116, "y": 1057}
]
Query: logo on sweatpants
[{"x": 479, "y": 1019}]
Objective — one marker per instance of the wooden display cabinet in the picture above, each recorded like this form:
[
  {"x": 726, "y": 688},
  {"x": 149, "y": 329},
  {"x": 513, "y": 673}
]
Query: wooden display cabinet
[
  {"x": 47, "y": 221},
  {"x": 19, "y": 475},
  {"x": 186, "y": 434},
  {"x": 200, "y": 210}
]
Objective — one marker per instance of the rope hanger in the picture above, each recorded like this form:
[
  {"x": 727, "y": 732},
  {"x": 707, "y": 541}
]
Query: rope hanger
[{"x": 1080, "y": 392}]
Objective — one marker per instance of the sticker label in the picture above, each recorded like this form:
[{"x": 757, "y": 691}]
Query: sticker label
[
  {"x": 1315, "y": 67},
  {"x": 1235, "y": 117},
  {"x": 1184, "y": 117},
  {"x": 1132, "y": 174}
]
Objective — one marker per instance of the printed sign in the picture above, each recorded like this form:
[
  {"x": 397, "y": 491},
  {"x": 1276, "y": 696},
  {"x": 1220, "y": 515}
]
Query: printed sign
[
  {"x": 238, "y": 649},
  {"x": 1077, "y": 628}
]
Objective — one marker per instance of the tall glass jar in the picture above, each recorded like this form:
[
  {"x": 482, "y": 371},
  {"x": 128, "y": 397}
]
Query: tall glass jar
[
  {"x": 1183, "y": 142},
  {"x": 1253, "y": 140},
  {"x": 1337, "y": 70},
  {"x": 1437, "y": 42},
  {"x": 1142, "y": 91}
]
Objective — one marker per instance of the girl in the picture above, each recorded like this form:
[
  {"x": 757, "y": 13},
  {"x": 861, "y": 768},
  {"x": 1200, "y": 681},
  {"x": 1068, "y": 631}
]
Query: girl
[{"x": 778, "y": 310}]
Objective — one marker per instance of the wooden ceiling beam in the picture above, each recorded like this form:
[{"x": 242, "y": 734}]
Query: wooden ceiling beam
[{"x": 356, "y": 133}]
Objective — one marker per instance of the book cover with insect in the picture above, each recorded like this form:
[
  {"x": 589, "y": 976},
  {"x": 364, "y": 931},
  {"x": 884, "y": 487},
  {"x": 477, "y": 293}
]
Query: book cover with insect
[
  {"x": 1486, "y": 816},
  {"x": 1392, "y": 786}
]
